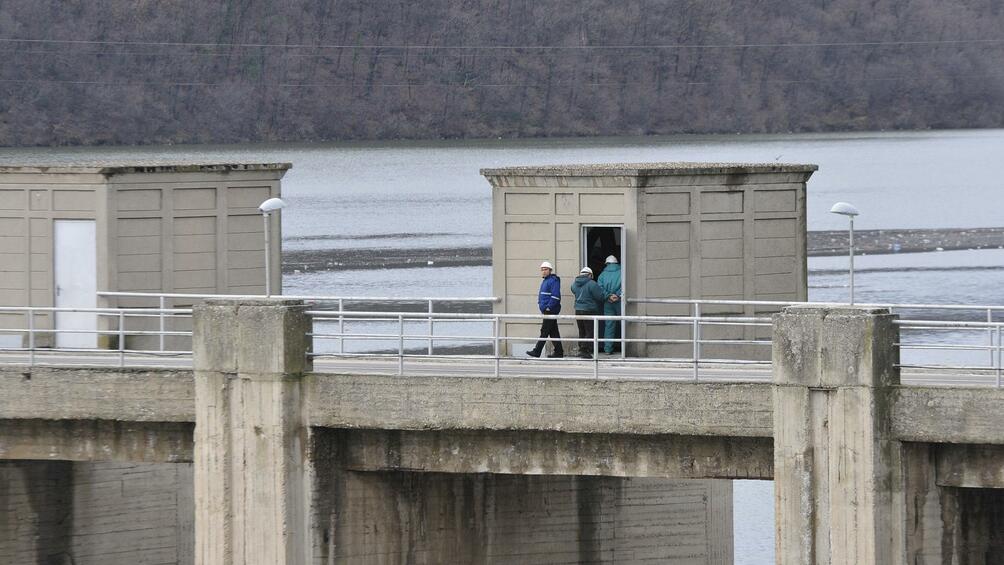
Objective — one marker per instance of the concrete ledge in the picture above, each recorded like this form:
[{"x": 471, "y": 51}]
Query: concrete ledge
[
  {"x": 970, "y": 466},
  {"x": 97, "y": 394},
  {"x": 553, "y": 453},
  {"x": 96, "y": 440},
  {"x": 569, "y": 405},
  {"x": 948, "y": 415}
]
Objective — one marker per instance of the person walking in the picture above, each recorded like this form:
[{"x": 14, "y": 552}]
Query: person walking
[
  {"x": 610, "y": 282},
  {"x": 549, "y": 302},
  {"x": 589, "y": 300}
]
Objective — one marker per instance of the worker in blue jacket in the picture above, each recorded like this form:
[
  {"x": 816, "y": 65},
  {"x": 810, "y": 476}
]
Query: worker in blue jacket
[
  {"x": 549, "y": 302},
  {"x": 610, "y": 282}
]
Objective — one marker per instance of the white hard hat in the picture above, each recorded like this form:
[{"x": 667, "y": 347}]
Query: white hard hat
[
  {"x": 611, "y": 259},
  {"x": 586, "y": 270},
  {"x": 547, "y": 265}
]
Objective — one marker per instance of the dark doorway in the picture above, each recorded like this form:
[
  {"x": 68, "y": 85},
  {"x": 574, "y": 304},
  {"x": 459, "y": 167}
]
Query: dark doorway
[{"x": 599, "y": 242}]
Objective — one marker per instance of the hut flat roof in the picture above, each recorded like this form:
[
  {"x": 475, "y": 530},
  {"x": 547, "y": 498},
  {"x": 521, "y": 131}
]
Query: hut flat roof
[
  {"x": 649, "y": 169},
  {"x": 117, "y": 167}
]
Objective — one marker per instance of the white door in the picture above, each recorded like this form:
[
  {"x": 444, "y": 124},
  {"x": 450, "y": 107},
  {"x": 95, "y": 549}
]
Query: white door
[{"x": 76, "y": 278}]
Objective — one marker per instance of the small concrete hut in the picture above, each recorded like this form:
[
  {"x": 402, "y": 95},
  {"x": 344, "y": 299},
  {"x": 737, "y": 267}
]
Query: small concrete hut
[
  {"x": 724, "y": 231},
  {"x": 69, "y": 231}
]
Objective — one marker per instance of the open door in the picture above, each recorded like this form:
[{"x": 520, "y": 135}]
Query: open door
[
  {"x": 76, "y": 279},
  {"x": 601, "y": 241}
]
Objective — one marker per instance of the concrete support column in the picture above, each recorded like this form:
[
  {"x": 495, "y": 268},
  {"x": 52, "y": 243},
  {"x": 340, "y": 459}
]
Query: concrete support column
[
  {"x": 837, "y": 471},
  {"x": 250, "y": 434}
]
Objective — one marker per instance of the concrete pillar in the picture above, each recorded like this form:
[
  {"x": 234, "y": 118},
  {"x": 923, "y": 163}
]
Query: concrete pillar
[
  {"x": 250, "y": 434},
  {"x": 837, "y": 476}
]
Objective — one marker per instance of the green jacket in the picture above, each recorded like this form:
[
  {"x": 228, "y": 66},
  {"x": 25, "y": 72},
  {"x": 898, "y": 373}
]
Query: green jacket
[
  {"x": 589, "y": 296},
  {"x": 610, "y": 280}
]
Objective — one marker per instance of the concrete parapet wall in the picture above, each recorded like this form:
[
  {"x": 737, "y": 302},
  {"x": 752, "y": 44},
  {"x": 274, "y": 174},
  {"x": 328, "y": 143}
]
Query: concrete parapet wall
[
  {"x": 948, "y": 415},
  {"x": 132, "y": 395}
]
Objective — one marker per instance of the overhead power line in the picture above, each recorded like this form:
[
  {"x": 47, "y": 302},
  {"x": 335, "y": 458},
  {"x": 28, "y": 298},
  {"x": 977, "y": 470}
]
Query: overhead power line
[
  {"x": 922, "y": 42},
  {"x": 475, "y": 85}
]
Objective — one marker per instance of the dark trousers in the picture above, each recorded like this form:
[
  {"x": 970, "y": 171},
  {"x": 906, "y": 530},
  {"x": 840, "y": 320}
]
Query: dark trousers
[
  {"x": 549, "y": 328},
  {"x": 585, "y": 332}
]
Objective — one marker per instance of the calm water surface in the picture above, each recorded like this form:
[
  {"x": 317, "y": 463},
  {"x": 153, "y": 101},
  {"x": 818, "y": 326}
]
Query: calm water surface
[{"x": 430, "y": 194}]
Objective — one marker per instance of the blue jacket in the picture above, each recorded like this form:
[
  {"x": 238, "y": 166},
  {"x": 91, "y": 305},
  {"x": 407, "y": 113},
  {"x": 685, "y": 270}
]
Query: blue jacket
[
  {"x": 610, "y": 280},
  {"x": 589, "y": 296},
  {"x": 549, "y": 299}
]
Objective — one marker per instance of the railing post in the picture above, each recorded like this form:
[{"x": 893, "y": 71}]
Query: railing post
[
  {"x": 400, "y": 345},
  {"x": 496, "y": 328},
  {"x": 990, "y": 334},
  {"x": 998, "y": 356},
  {"x": 431, "y": 328},
  {"x": 162, "y": 303},
  {"x": 697, "y": 341},
  {"x": 31, "y": 337},
  {"x": 341, "y": 326},
  {"x": 596, "y": 351},
  {"x": 121, "y": 338}
]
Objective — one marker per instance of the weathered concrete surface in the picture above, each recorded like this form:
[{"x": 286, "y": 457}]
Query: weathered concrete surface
[
  {"x": 944, "y": 524},
  {"x": 970, "y": 466},
  {"x": 948, "y": 415},
  {"x": 135, "y": 395},
  {"x": 569, "y": 405},
  {"x": 96, "y": 440},
  {"x": 919, "y": 414},
  {"x": 250, "y": 434},
  {"x": 836, "y": 463},
  {"x": 461, "y": 519},
  {"x": 556, "y": 453},
  {"x": 61, "y": 513}
]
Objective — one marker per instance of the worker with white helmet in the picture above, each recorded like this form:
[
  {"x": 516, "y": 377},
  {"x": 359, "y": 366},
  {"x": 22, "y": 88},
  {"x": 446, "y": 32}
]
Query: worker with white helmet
[
  {"x": 610, "y": 282},
  {"x": 589, "y": 299},
  {"x": 549, "y": 302}
]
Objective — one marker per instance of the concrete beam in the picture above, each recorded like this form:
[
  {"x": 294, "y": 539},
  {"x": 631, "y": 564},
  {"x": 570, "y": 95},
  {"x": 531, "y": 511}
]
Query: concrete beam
[
  {"x": 970, "y": 466},
  {"x": 96, "y": 440},
  {"x": 835, "y": 460},
  {"x": 135, "y": 395},
  {"x": 555, "y": 453},
  {"x": 567, "y": 405}
]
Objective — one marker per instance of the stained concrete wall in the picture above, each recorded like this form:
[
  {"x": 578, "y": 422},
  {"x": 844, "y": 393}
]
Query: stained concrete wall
[
  {"x": 63, "y": 513},
  {"x": 431, "y": 518}
]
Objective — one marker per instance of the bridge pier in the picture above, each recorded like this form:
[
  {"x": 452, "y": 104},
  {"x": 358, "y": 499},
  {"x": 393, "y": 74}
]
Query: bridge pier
[
  {"x": 837, "y": 468},
  {"x": 251, "y": 502}
]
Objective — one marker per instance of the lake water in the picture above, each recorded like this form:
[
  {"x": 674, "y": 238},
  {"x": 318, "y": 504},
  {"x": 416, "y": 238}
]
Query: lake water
[{"x": 430, "y": 194}]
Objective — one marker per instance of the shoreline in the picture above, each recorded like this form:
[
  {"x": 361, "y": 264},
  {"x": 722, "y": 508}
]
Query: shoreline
[{"x": 819, "y": 244}]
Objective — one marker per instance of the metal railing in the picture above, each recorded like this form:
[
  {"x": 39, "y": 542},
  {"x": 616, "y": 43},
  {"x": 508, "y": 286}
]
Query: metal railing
[
  {"x": 732, "y": 334},
  {"x": 397, "y": 334}
]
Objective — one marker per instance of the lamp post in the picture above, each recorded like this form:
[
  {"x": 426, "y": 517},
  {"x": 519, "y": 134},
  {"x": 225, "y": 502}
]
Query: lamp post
[
  {"x": 845, "y": 209},
  {"x": 267, "y": 207}
]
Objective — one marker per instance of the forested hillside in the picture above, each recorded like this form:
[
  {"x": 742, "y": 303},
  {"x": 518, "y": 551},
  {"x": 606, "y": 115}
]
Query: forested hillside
[{"x": 154, "y": 71}]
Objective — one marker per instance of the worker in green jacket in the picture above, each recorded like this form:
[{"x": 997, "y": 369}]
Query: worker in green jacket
[
  {"x": 589, "y": 299},
  {"x": 610, "y": 283}
]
